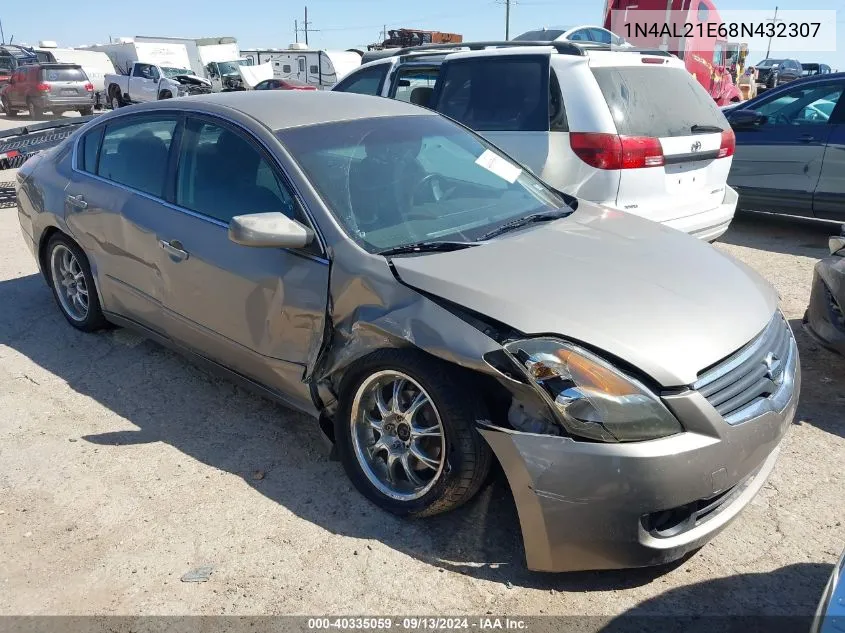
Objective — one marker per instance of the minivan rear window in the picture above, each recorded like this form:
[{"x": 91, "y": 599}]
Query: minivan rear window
[
  {"x": 657, "y": 102},
  {"x": 68, "y": 73}
]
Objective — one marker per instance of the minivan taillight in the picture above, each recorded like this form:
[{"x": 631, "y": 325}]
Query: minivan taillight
[
  {"x": 728, "y": 144},
  {"x": 89, "y": 87},
  {"x": 612, "y": 151},
  {"x": 44, "y": 87}
]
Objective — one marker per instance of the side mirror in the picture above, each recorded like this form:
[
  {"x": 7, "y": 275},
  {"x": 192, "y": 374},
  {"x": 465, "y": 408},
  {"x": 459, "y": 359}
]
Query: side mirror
[
  {"x": 274, "y": 230},
  {"x": 746, "y": 119}
]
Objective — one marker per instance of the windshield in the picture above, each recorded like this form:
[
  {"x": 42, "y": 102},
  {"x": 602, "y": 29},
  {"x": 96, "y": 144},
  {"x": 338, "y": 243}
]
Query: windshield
[
  {"x": 231, "y": 68},
  {"x": 174, "y": 72},
  {"x": 544, "y": 35},
  {"x": 767, "y": 63},
  {"x": 392, "y": 181}
]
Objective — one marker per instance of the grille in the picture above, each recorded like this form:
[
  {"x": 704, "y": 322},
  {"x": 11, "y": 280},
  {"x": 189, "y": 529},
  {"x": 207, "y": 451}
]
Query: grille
[{"x": 753, "y": 373}]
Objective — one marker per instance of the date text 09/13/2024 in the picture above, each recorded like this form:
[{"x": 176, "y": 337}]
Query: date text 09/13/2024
[
  {"x": 721, "y": 29},
  {"x": 419, "y": 623}
]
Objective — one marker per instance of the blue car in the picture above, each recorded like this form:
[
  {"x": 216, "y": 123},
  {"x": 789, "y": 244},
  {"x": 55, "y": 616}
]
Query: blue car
[{"x": 790, "y": 149}]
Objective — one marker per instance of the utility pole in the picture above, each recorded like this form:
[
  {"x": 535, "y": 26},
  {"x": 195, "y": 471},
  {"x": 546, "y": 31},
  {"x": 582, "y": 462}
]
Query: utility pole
[
  {"x": 507, "y": 19},
  {"x": 306, "y": 26},
  {"x": 2, "y": 36},
  {"x": 773, "y": 20},
  {"x": 296, "y": 31}
]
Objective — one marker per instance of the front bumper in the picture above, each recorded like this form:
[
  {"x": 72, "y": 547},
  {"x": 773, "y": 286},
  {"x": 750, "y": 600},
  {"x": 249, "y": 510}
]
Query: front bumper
[{"x": 585, "y": 505}]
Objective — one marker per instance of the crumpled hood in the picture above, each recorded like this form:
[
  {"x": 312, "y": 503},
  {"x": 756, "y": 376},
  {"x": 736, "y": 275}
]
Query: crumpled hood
[{"x": 667, "y": 303}]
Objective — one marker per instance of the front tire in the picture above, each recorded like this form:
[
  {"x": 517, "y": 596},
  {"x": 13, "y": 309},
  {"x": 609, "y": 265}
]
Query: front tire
[
  {"x": 10, "y": 113},
  {"x": 73, "y": 284},
  {"x": 405, "y": 432},
  {"x": 165, "y": 94}
]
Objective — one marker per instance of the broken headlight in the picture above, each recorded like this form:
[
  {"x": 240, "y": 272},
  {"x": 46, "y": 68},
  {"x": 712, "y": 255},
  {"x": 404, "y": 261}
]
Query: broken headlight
[{"x": 591, "y": 398}]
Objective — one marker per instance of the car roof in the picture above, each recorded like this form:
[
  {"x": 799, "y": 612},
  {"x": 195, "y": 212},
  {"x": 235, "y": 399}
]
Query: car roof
[{"x": 279, "y": 109}]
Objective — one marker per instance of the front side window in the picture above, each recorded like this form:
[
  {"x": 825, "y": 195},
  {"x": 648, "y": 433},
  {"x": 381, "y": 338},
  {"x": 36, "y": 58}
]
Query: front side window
[
  {"x": 367, "y": 81},
  {"x": 503, "y": 93},
  {"x": 142, "y": 70},
  {"x": 392, "y": 181},
  {"x": 811, "y": 105},
  {"x": 223, "y": 174},
  {"x": 134, "y": 153},
  {"x": 416, "y": 85}
]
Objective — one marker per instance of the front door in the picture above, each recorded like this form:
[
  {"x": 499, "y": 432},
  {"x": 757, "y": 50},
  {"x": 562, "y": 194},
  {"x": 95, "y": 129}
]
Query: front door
[
  {"x": 260, "y": 311},
  {"x": 114, "y": 208},
  {"x": 777, "y": 164},
  {"x": 829, "y": 197}
]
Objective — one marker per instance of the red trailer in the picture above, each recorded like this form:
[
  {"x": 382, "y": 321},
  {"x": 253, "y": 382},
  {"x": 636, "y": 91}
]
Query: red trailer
[{"x": 702, "y": 50}]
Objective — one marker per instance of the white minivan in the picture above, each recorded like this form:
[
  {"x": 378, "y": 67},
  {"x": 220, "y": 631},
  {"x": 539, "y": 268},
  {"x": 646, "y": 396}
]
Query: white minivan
[{"x": 631, "y": 130}]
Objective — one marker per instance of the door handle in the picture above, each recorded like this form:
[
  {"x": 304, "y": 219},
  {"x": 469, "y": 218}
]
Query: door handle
[
  {"x": 806, "y": 138},
  {"x": 174, "y": 249},
  {"x": 77, "y": 202}
]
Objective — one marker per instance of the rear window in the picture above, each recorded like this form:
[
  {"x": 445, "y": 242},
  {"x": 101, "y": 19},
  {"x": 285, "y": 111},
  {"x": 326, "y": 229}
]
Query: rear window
[
  {"x": 657, "y": 102},
  {"x": 497, "y": 93},
  {"x": 63, "y": 74}
]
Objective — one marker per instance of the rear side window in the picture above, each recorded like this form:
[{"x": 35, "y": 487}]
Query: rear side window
[
  {"x": 367, "y": 81},
  {"x": 89, "y": 146},
  {"x": 63, "y": 74},
  {"x": 657, "y": 102},
  {"x": 135, "y": 154},
  {"x": 503, "y": 93}
]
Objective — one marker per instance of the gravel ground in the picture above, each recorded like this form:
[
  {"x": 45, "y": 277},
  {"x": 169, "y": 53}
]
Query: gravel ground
[{"x": 124, "y": 467}]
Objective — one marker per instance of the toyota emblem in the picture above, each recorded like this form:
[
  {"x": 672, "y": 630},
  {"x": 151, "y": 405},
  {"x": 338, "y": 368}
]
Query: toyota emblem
[{"x": 695, "y": 146}]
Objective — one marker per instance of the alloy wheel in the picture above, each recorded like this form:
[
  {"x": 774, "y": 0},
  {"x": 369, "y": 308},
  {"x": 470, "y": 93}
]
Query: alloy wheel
[
  {"x": 397, "y": 435},
  {"x": 69, "y": 282}
]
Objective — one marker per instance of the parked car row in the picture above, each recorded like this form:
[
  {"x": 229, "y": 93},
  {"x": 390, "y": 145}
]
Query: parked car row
[{"x": 582, "y": 118}]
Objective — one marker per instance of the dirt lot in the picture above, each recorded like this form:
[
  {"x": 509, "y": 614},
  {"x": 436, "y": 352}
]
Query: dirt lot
[{"x": 122, "y": 467}]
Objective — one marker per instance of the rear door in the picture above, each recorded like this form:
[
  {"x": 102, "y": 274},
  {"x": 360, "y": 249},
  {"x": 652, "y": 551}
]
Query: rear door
[
  {"x": 778, "y": 163},
  {"x": 650, "y": 100},
  {"x": 829, "y": 196},
  {"x": 504, "y": 97},
  {"x": 114, "y": 208}
]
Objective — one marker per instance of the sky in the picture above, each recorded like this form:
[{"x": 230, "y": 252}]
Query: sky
[{"x": 338, "y": 23}]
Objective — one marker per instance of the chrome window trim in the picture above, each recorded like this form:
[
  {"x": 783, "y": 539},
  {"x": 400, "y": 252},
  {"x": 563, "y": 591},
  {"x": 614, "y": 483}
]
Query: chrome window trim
[{"x": 287, "y": 180}]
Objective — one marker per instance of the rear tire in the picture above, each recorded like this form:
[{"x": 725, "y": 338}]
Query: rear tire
[
  {"x": 86, "y": 111},
  {"x": 439, "y": 460},
  {"x": 73, "y": 285},
  {"x": 35, "y": 111},
  {"x": 115, "y": 98}
]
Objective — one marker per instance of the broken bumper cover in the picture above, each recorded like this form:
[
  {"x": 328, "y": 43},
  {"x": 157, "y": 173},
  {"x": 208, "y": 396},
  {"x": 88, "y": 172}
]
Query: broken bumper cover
[
  {"x": 586, "y": 505},
  {"x": 825, "y": 319}
]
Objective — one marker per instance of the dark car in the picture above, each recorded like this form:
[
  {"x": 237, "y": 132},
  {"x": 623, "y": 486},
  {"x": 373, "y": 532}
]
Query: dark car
[
  {"x": 815, "y": 69},
  {"x": 774, "y": 72},
  {"x": 54, "y": 87},
  {"x": 283, "y": 84},
  {"x": 789, "y": 154},
  {"x": 13, "y": 57}
]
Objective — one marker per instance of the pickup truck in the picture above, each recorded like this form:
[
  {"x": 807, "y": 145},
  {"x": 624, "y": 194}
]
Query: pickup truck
[{"x": 149, "y": 82}]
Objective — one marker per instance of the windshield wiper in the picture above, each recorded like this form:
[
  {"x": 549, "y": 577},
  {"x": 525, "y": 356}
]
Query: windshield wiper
[
  {"x": 704, "y": 129},
  {"x": 545, "y": 216},
  {"x": 426, "y": 247}
]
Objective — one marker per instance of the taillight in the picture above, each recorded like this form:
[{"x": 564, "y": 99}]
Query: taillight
[
  {"x": 611, "y": 151},
  {"x": 44, "y": 87},
  {"x": 728, "y": 144},
  {"x": 89, "y": 87}
]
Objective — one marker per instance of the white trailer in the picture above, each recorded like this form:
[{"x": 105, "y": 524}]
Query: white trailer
[
  {"x": 96, "y": 64},
  {"x": 167, "y": 55},
  {"x": 319, "y": 68},
  {"x": 215, "y": 58}
]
